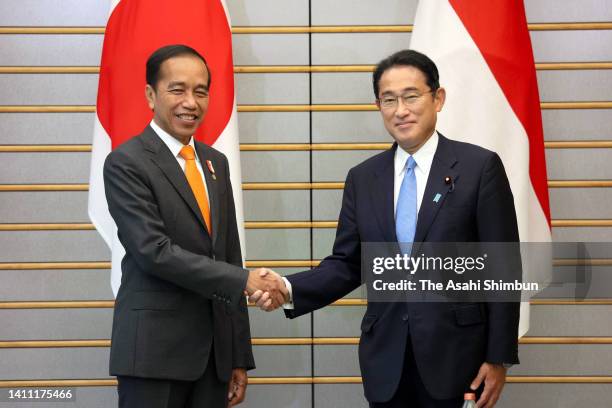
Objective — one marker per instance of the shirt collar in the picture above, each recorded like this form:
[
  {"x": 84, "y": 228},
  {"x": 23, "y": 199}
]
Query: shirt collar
[
  {"x": 173, "y": 144},
  {"x": 423, "y": 157}
]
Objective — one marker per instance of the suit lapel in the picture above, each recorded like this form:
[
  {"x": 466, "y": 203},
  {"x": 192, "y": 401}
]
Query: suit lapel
[
  {"x": 163, "y": 158},
  {"x": 212, "y": 186},
  {"x": 382, "y": 196},
  {"x": 436, "y": 189}
]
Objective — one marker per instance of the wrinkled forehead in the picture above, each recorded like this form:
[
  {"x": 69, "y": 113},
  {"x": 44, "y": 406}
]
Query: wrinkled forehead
[
  {"x": 402, "y": 78},
  {"x": 183, "y": 68}
]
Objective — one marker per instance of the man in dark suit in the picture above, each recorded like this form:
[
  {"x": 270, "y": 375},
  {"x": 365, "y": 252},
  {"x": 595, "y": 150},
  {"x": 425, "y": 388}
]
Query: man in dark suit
[
  {"x": 426, "y": 188},
  {"x": 181, "y": 334}
]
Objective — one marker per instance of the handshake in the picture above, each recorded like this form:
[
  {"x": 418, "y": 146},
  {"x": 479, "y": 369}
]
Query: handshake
[{"x": 266, "y": 289}]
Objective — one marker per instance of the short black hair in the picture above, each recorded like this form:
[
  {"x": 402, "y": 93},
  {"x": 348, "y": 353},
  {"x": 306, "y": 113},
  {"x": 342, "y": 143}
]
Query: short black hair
[
  {"x": 165, "y": 53},
  {"x": 409, "y": 58}
]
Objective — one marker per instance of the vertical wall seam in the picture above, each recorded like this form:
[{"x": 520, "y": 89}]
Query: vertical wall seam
[{"x": 311, "y": 193}]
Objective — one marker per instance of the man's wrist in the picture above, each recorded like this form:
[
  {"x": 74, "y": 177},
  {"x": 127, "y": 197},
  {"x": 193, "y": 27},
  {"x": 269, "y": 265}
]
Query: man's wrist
[
  {"x": 289, "y": 303},
  {"x": 505, "y": 365}
]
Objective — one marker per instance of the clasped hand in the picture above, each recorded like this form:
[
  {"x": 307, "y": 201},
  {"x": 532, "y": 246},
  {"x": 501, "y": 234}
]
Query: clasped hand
[{"x": 267, "y": 289}]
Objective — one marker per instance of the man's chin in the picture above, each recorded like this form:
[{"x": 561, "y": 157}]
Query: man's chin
[
  {"x": 187, "y": 128},
  {"x": 406, "y": 142}
]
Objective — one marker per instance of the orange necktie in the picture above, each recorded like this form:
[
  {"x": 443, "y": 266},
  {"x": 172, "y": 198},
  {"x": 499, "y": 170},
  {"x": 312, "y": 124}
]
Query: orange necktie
[{"x": 194, "y": 178}]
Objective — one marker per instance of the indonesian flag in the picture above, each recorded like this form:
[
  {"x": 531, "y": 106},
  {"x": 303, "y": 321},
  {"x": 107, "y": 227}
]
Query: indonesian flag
[
  {"x": 135, "y": 29},
  {"x": 483, "y": 52}
]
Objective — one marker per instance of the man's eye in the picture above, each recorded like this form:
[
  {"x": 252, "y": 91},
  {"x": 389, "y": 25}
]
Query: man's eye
[
  {"x": 176, "y": 91},
  {"x": 411, "y": 97},
  {"x": 202, "y": 94},
  {"x": 388, "y": 101}
]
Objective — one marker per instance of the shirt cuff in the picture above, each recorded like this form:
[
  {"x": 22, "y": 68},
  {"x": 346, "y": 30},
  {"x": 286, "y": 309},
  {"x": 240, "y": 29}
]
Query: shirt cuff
[{"x": 289, "y": 304}]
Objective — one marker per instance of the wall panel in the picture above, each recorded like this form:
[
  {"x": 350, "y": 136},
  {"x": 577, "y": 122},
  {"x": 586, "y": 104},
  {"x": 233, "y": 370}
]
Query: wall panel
[
  {"x": 268, "y": 244},
  {"x": 45, "y": 285},
  {"x": 340, "y": 396},
  {"x": 357, "y": 48},
  {"x": 270, "y": 49},
  {"x": 273, "y": 127},
  {"x": 46, "y": 128},
  {"x": 559, "y": 46},
  {"x": 540, "y": 11},
  {"x": 348, "y": 127},
  {"x": 55, "y": 324},
  {"x": 51, "y": 49},
  {"x": 272, "y": 88},
  {"x": 285, "y": 395},
  {"x": 268, "y": 12},
  {"x": 31, "y": 364},
  {"x": 276, "y": 205},
  {"x": 274, "y": 166},
  {"x": 582, "y": 234},
  {"x": 24, "y": 168},
  {"x": 44, "y": 207},
  {"x": 52, "y": 246},
  {"x": 579, "y": 124},
  {"x": 54, "y": 13},
  {"x": 391, "y": 12},
  {"x": 48, "y": 89}
]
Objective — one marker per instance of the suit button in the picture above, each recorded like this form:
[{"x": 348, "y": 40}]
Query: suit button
[{"x": 405, "y": 317}]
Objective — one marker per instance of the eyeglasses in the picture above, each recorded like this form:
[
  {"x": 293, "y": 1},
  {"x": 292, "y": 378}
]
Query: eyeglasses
[{"x": 409, "y": 99}]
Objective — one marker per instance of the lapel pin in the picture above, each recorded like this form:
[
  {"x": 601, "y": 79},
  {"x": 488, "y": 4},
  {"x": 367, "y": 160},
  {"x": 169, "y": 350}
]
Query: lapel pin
[
  {"x": 211, "y": 169},
  {"x": 437, "y": 197},
  {"x": 448, "y": 180}
]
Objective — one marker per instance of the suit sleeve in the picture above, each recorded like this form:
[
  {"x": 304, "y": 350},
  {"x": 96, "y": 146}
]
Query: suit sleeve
[
  {"x": 242, "y": 351},
  {"x": 133, "y": 206},
  {"x": 339, "y": 273},
  {"x": 497, "y": 223}
]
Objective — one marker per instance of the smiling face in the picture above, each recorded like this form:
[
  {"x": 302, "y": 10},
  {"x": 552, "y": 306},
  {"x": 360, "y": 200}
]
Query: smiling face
[
  {"x": 180, "y": 97},
  {"x": 409, "y": 124}
]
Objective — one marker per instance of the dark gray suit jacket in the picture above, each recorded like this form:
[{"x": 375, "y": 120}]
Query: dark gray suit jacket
[{"x": 181, "y": 289}]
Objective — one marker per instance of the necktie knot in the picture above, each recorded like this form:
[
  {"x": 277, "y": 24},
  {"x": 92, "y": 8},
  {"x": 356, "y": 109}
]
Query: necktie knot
[
  {"x": 410, "y": 163},
  {"x": 187, "y": 153}
]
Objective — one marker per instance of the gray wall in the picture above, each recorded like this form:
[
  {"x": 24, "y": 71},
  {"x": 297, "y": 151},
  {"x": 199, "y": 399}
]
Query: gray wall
[{"x": 21, "y": 322}]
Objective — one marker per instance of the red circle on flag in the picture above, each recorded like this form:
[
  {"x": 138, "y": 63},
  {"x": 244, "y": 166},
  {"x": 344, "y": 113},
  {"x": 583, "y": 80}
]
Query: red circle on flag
[{"x": 135, "y": 29}]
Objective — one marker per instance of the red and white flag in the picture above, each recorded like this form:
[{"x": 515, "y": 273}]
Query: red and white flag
[
  {"x": 483, "y": 52},
  {"x": 135, "y": 29}
]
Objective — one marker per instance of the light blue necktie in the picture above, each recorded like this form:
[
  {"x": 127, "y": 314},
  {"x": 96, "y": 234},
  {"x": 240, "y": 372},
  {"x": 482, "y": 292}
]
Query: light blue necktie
[{"x": 406, "y": 210}]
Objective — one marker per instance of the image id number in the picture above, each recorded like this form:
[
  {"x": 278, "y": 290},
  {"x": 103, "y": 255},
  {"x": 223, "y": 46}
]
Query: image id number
[{"x": 40, "y": 394}]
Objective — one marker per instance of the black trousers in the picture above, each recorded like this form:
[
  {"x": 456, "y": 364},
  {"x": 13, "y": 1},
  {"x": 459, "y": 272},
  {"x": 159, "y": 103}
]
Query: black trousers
[
  {"x": 206, "y": 392},
  {"x": 411, "y": 392}
]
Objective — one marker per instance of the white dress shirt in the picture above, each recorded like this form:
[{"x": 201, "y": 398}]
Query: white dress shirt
[
  {"x": 175, "y": 147},
  {"x": 423, "y": 158}
]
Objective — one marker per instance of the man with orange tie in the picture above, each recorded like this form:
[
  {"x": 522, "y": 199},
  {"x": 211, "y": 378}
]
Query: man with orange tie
[{"x": 181, "y": 334}]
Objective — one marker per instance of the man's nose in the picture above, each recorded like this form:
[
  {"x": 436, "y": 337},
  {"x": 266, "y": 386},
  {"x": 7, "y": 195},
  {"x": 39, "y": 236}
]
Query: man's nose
[
  {"x": 189, "y": 101},
  {"x": 402, "y": 108}
]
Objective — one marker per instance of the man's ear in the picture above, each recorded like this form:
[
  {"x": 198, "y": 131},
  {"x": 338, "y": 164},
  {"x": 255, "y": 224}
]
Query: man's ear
[
  {"x": 440, "y": 98},
  {"x": 150, "y": 95}
]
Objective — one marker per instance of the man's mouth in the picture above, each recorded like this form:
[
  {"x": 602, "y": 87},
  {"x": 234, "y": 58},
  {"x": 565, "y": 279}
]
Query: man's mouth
[
  {"x": 404, "y": 125},
  {"x": 187, "y": 117}
]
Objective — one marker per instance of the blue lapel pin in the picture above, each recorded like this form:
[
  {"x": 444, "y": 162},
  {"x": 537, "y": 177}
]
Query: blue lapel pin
[{"x": 437, "y": 197}]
